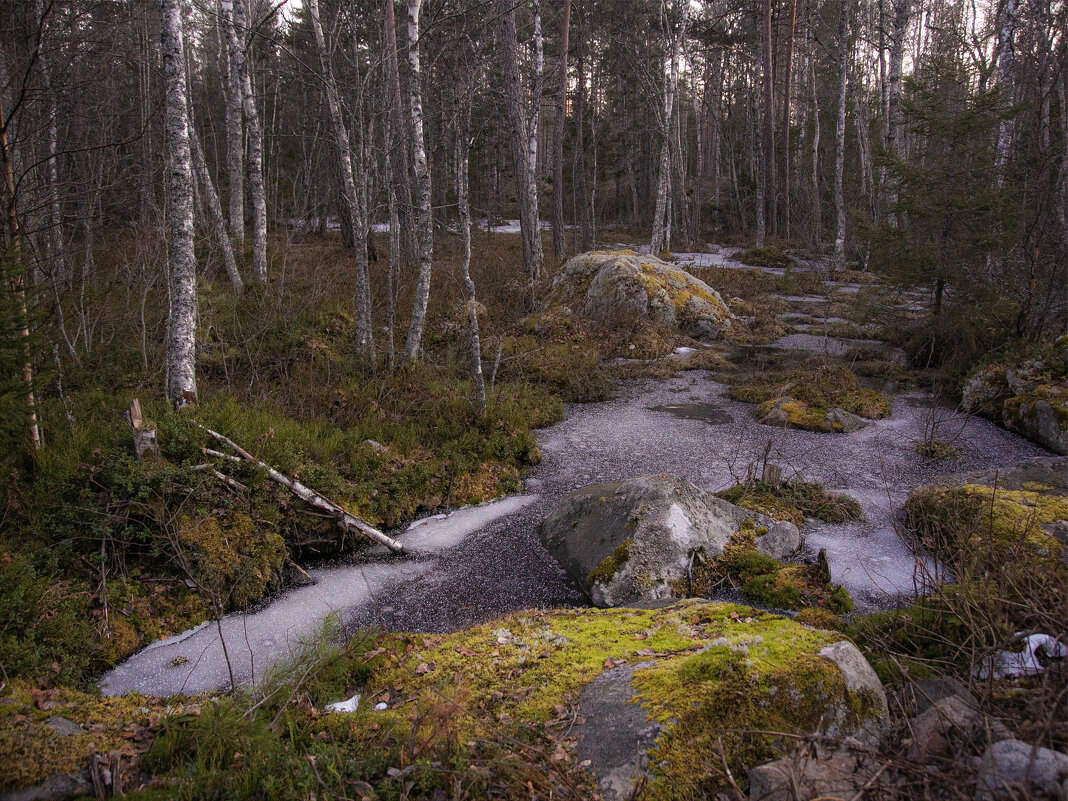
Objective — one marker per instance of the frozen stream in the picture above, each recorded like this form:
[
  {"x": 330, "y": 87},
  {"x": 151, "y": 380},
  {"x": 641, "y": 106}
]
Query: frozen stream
[{"x": 483, "y": 561}]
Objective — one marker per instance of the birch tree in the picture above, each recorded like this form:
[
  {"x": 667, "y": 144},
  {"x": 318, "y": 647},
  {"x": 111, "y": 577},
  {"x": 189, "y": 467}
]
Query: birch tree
[
  {"x": 355, "y": 207},
  {"x": 526, "y": 189},
  {"x": 559, "y": 240},
  {"x": 840, "y": 130},
  {"x": 233, "y": 92},
  {"x": 463, "y": 197},
  {"x": 424, "y": 223},
  {"x": 255, "y": 158},
  {"x": 215, "y": 213},
  {"x": 672, "y": 38},
  {"x": 1006, "y": 63},
  {"x": 181, "y": 260}
]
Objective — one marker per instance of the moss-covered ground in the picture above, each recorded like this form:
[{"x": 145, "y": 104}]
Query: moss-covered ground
[
  {"x": 794, "y": 501},
  {"x": 483, "y": 712},
  {"x": 807, "y": 392}
]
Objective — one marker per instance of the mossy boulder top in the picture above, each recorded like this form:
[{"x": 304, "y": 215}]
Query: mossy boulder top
[
  {"x": 607, "y": 284},
  {"x": 663, "y": 696},
  {"x": 635, "y": 540},
  {"x": 1029, "y": 397}
]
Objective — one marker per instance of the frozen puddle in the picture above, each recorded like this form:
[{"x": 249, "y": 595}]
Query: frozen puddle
[
  {"x": 482, "y": 562},
  {"x": 194, "y": 661}
]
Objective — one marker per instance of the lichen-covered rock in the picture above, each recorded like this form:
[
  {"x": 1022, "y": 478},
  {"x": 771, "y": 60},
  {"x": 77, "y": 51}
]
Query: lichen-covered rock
[
  {"x": 1041, "y": 415},
  {"x": 842, "y": 773},
  {"x": 629, "y": 541},
  {"x": 659, "y": 696},
  {"x": 608, "y": 284},
  {"x": 1030, "y": 397}
]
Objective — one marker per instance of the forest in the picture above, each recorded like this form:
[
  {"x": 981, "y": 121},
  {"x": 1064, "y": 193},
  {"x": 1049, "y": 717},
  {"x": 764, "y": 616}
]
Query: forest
[{"x": 461, "y": 399}]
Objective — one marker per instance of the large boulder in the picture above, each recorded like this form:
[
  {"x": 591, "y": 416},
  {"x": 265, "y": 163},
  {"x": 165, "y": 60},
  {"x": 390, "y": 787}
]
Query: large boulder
[
  {"x": 605, "y": 285},
  {"x": 635, "y": 540},
  {"x": 657, "y": 697},
  {"x": 1030, "y": 397}
]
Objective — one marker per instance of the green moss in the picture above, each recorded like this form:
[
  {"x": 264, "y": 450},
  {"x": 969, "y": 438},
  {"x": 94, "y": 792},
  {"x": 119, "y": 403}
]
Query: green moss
[
  {"x": 936, "y": 449},
  {"x": 794, "y": 501},
  {"x": 33, "y": 752},
  {"x": 806, "y": 393},
  {"x": 610, "y": 565},
  {"x": 764, "y": 257},
  {"x": 986, "y": 524}
]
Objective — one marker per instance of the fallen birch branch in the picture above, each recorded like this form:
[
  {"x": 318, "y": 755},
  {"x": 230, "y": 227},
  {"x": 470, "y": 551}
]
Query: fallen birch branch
[{"x": 345, "y": 520}]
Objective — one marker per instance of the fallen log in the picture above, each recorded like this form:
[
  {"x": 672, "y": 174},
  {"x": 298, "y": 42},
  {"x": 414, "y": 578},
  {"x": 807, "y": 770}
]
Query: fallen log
[{"x": 346, "y": 520}]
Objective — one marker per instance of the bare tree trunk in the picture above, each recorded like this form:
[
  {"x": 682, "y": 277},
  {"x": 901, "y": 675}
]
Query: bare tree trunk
[
  {"x": 255, "y": 161},
  {"x": 898, "y": 33},
  {"x": 234, "y": 91},
  {"x": 517, "y": 123},
  {"x": 463, "y": 196},
  {"x": 391, "y": 275},
  {"x": 673, "y": 42},
  {"x": 761, "y": 171},
  {"x": 786, "y": 119},
  {"x": 353, "y": 198},
  {"x": 582, "y": 198},
  {"x": 1006, "y": 65},
  {"x": 817, "y": 211},
  {"x": 534, "y": 118},
  {"x": 422, "y": 179},
  {"x": 181, "y": 260},
  {"x": 215, "y": 213},
  {"x": 768, "y": 117},
  {"x": 398, "y": 149},
  {"x": 559, "y": 240},
  {"x": 839, "y": 142}
]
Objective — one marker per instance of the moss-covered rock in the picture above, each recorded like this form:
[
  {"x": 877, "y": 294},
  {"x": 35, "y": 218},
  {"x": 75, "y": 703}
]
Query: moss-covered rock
[
  {"x": 621, "y": 285},
  {"x": 1041, "y": 414},
  {"x": 707, "y": 676},
  {"x": 818, "y": 396},
  {"x": 764, "y": 581},
  {"x": 794, "y": 501},
  {"x": 633, "y": 540}
]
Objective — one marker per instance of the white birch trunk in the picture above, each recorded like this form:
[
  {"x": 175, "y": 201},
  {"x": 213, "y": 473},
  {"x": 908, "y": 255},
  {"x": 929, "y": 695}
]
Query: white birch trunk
[
  {"x": 181, "y": 261},
  {"x": 255, "y": 161},
  {"x": 463, "y": 196},
  {"x": 234, "y": 90},
  {"x": 215, "y": 213},
  {"x": 1006, "y": 65},
  {"x": 534, "y": 118},
  {"x": 817, "y": 210},
  {"x": 840, "y": 131},
  {"x": 559, "y": 240},
  {"x": 354, "y": 205},
  {"x": 663, "y": 187},
  {"x": 424, "y": 224}
]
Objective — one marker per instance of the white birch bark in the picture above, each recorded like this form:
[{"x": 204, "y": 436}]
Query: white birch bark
[
  {"x": 898, "y": 32},
  {"x": 559, "y": 240},
  {"x": 534, "y": 118},
  {"x": 425, "y": 231},
  {"x": 840, "y": 131},
  {"x": 234, "y": 91},
  {"x": 354, "y": 205},
  {"x": 663, "y": 188},
  {"x": 463, "y": 196},
  {"x": 181, "y": 260},
  {"x": 255, "y": 160},
  {"x": 1006, "y": 65},
  {"x": 817, "y": 209},
  {"x": 215, "y": 213},
  {"x": 526, "y": 190}
]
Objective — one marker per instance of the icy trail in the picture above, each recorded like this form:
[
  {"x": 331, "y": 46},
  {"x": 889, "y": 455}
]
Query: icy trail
[{"x": 484, "y": 561}]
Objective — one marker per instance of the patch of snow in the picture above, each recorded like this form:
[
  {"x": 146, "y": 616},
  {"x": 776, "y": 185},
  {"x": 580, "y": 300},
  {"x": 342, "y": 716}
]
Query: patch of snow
[
  {"x": 348, "y": 705},
  {"x": 1009, "y": 664}
]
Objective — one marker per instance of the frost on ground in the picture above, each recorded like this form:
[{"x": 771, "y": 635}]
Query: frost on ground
[{"x": 482, "y": 562}]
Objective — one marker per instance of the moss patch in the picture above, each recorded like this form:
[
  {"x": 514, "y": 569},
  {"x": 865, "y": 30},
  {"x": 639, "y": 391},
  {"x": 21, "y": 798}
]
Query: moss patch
[
  {"x": 764, "y": 257},
  {"x": 794, "y": 501},
  {"x": 610, "y": 565},
  {"x": 806, "y": 393}
]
